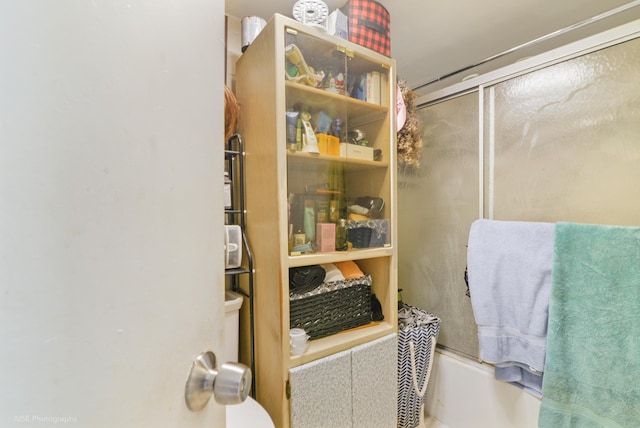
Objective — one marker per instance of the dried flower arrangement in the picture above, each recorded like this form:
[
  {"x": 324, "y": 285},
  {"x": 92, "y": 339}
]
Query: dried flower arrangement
[{"x": 409, "y": 137}]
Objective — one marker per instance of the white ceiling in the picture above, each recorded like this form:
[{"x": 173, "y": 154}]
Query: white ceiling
[{"x": 431, "y": 39}]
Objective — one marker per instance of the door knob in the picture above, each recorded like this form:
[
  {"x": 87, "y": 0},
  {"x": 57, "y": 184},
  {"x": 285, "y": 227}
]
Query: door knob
[{"x": 229, "y": 385}]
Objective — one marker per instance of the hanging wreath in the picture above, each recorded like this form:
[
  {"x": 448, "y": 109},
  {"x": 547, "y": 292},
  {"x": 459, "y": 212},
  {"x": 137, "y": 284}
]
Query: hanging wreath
[{"x": 409, "y": 137}]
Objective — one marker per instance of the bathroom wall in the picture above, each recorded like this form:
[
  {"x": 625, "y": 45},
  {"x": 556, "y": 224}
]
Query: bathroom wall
[{"x": 559, "y": 143}]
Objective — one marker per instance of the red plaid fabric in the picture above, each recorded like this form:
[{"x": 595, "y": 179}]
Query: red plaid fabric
[{"x": 369, "y": 25}]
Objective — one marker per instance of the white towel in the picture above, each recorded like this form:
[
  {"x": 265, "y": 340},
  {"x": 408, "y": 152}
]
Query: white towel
[
  {"x": 510, "y": 266},
  {"x": 333, "y": 273}
]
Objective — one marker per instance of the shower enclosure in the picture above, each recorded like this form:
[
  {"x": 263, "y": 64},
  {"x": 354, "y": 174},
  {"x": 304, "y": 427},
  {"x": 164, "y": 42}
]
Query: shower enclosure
[{"x": 558, "y": 141}]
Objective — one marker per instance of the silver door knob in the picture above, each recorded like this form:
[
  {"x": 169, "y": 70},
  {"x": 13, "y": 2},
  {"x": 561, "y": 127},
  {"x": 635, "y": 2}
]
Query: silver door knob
[{"x": 229, "y": 385}]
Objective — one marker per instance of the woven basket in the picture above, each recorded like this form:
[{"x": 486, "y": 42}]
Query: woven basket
[
  {"x": 423, "y": 338},
  {"x": 359, "y": 236},
  {"x": 367, "y": 233},
  {"x": 332, "y": 308}
]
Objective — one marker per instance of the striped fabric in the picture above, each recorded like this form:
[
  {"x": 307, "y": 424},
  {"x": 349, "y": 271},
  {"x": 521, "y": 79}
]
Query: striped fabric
[
  {"x": 420, "y": 329},
  {"x": 369, "y": 25}
]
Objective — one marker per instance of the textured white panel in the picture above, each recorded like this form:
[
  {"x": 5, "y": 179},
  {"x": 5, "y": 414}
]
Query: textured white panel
[
  {"x": 374, "y": 383},
  {"x": 321, "y": 393}
]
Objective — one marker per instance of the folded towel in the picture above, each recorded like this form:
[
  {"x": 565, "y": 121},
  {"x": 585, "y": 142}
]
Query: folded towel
[
  {"x": 306, "y": 278},
  {"x": 349, "y": 269},
  {"x": 593, "y": 349},
  {"x": 509, "y": 280},
  {"x": 333, "y": 274}
]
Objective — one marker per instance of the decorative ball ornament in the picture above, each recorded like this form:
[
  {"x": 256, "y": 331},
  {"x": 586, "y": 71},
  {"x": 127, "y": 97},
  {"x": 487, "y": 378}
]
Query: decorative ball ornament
[{"x": 311, "y": 12}]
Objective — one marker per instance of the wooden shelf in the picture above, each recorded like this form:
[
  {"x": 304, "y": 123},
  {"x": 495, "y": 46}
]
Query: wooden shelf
[
  {"x": 339, "y": 256},
  {"x": 275, "y": 173},
  {"x": 339, "y": 342},
  {"x": 353, "y": 107}
]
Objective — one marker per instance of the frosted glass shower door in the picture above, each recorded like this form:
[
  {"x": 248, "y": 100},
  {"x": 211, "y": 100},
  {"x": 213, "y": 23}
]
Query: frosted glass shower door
[
  {"x": 567, "y": 141},
  {"x": 561, "y": 143},
  {"x": 437, "y": 204}
]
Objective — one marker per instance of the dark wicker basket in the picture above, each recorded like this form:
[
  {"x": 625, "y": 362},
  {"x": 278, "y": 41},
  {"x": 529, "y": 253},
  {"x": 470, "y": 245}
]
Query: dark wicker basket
[
  {"x": 338, "y": 307},
  {"x": 367, "y": 233},
  {"x": 359, "y": 237}
]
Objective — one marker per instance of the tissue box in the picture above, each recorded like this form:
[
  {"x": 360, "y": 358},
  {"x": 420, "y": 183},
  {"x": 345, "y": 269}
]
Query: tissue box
[
  {"x": 369, "y": 25},
  {"x": 337, "y": 24},
  {"x": 354, "y": 151},
  {"x": 326, "y": 237}
]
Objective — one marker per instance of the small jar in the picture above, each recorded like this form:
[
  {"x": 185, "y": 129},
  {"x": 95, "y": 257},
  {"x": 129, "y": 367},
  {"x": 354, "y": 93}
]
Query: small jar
[{"x": 341, "y": 235}]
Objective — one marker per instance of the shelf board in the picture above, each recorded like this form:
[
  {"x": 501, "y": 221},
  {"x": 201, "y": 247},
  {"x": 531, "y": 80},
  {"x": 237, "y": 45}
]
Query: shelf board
[
  {"x": 339, "y": 256},
  {"x": 342, "y": 341},
  {"x": 298, "y": 93}
]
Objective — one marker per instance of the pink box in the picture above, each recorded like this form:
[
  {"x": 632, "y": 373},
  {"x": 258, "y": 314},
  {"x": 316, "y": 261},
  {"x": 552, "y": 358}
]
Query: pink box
[{"x": 326, "y": 237}]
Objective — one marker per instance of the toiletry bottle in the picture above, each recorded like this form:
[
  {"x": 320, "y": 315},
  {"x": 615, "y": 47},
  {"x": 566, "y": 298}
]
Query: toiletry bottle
[
  {"x": 334, "y": 214},
  {"x": 290, "y": 237},
  {"x": 337, "y": 128},
  {"x": 299, "y": 134},
  {"x": 299, "y": 238},
  {"x": 292, "y": 129},
  {"x": 322, "y": 211},
  {"x": 309, "y": 223},
  {"x": 341, "y": 235}
]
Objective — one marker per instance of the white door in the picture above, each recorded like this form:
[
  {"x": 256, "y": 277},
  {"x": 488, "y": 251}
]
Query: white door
[{"x": 111, "y": 275}]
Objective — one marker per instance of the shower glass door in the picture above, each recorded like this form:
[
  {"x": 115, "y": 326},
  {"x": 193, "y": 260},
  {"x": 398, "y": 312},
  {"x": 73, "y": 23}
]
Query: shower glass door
[{"x": 561, "y": 143}]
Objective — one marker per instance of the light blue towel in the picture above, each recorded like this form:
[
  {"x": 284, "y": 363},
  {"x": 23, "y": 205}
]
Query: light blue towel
[
  {"x": 592, "y": 374},
  {"x": 510, "y": 280}
]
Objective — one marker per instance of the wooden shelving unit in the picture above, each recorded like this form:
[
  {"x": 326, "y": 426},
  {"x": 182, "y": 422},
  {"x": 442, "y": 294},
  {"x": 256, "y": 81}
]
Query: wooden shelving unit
[{"x": 273, "y": 172}]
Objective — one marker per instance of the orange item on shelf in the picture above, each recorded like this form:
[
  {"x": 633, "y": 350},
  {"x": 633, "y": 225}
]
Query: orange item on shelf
[{"x": 349, "y": 269}]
